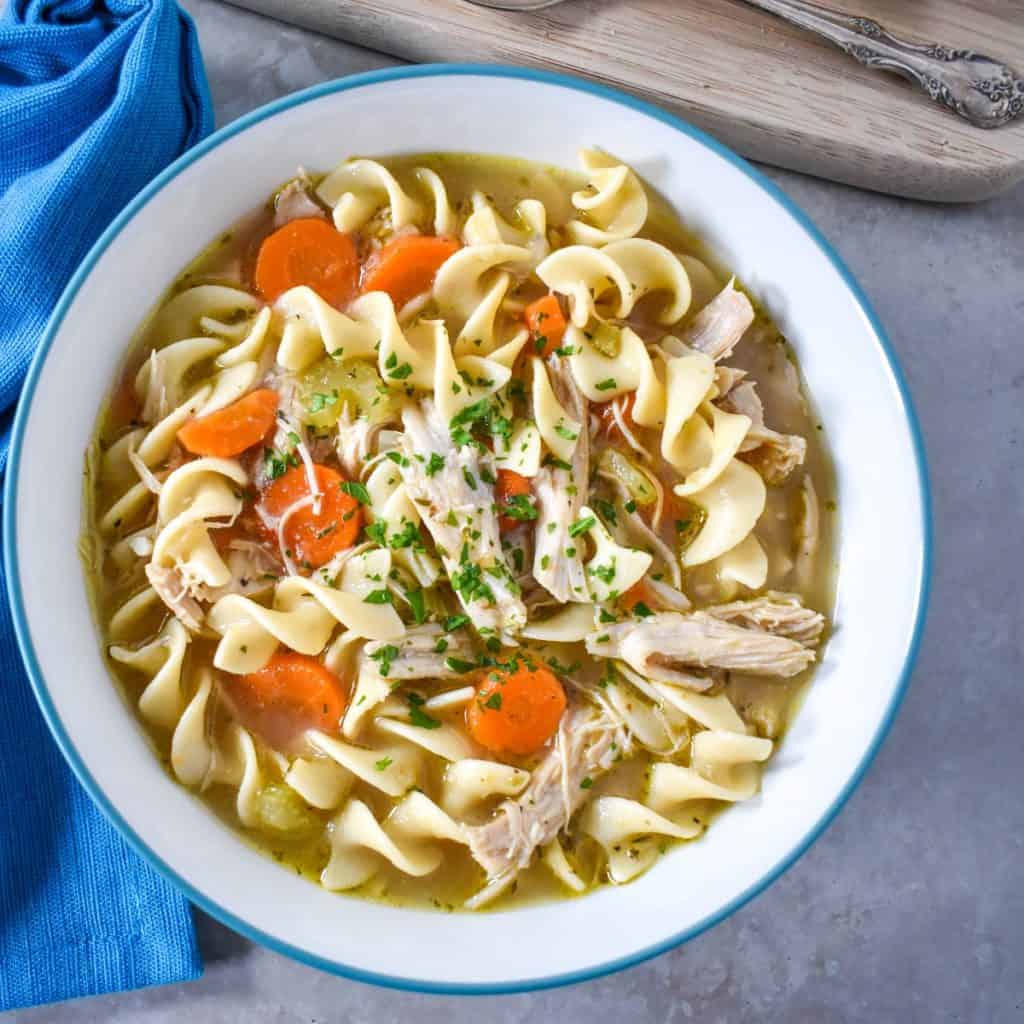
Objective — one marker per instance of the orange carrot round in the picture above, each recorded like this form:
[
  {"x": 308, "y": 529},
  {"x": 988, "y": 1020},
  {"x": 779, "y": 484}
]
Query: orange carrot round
[
  {"x": 314, "y": 539},
  {"x": 308, "y": 251},
  {"x": 509, "y": 485},
  {"x": 546, "y": 323},
  {"x": 639, "y": 593},
  {"x": 229, "y": 431},
  {"x": 516, "y": 712},
  {"x": 290, "y": 694},
  {"x": 405, "y": 267}
]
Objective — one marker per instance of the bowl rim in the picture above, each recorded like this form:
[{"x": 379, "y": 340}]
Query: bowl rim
[{"x": 13, "y": 583}]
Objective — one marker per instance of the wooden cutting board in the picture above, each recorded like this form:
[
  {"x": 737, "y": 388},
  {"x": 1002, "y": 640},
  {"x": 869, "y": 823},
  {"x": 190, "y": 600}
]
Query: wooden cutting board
[{"x": 771, "y": 91}]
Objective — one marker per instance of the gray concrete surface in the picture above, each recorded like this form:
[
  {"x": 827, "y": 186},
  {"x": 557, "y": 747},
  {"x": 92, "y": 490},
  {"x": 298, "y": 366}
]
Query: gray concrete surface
[{"x": 911, "y": 907}]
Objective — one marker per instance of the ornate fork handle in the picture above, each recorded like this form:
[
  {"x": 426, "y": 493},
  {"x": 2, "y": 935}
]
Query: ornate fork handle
[{"x": 980, "y": 89}]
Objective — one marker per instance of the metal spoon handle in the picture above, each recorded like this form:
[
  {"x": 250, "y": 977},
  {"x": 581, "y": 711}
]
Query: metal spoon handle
[{"x": 980, "y": 89}]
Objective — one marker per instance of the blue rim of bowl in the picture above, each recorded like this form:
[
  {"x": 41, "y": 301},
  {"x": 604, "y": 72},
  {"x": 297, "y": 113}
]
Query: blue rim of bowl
[{"x": 52, "y": 716}]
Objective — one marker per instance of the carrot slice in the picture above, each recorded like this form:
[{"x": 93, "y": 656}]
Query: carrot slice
[
  {"x": 229, "y": 431},
  {"x": 290, "y": 694},
  {"x": 546, "y": 323},
  {"x": 308, "y": 251},
  {"x": 313, "y": 539},
  {"x": 516, "y": 712},
  {"x": 637, "y": 594},
  {"x": 405, "y": 267},
  {"x": 509, "y": 486}
]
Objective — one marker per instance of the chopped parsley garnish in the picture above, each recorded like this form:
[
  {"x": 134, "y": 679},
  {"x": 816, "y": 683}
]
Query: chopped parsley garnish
[
  {"x": 606, "y": 385},
  {"x": 418, "y": 605},
  {"x": 641, "y": 611},
  {"x": 382, "y": 596},
  {"x": 519, "y": 506},
  {"x": 354, "y": 489},
  {"x": 276, "y": 463},
  {"x": 377, "y": 532},
  {"x": 320, "y": 401},
  {"x": 398, "y": 458},
  {"x": 565, "y": 433},
  {"x": 384, "y": 656},
  {"x": 407, "y": 537},
  {"x": 459, "y": 665},
  {"x": 606, "y": 509},
  {"x": 435, "y": 463},
  {"x": 400, "y": 372},
  {"x": 468, "y": 582},
  {"x": 586, "y": 783},
  {"x": 582, "y": 525},
  {"x": 417, "y": 716},
  {"x": 384, "y": 762},
  {"x": 469, "y": 478},
  {"x": 454, "y": 622},
  {"x": 630, "y": 506},
  {"x": 493, "y": 702},
  {"x": 605, "y": 573}
]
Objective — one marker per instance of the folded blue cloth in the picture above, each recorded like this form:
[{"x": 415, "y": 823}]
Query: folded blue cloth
[{"x": 95, "y": 99}]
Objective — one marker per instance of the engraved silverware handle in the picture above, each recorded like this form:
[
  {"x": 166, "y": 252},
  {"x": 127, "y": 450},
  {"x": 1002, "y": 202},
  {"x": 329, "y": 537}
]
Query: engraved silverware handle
[{"x": 980, "y": 89}]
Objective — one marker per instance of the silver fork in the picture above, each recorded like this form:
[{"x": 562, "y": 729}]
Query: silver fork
[{"x": 982, "y": 90}]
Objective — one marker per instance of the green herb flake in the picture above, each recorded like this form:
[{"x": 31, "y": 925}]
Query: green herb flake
[
  {"x": 582, "y": 525},
  {"x": 354, "y": 489}
]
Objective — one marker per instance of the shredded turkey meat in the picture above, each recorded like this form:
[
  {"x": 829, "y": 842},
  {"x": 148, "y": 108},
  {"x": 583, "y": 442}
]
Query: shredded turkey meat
[
  {"x": 418, "y": 656},
  {"x": 668, "y": 644},
  {"x": 457, "y": 507},
  {"x": 585, "y": 747},
  {"x": 560, "y": 495},
  {"x": 718, "y": 327},
  {"x": 772, "y": 454}
]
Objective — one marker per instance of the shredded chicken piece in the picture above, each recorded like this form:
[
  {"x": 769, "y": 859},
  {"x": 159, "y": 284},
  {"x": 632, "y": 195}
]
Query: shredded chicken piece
[
  {"x": 295, "y": 202},
  {"x": 172, "y": 589},
  {"x": 727, "y": 377},
  {"x": 457, "y": 507},
  {"x": 667, "y": 644},
  {"x": 560, "y": 495},
  {"x": 585, "y": 747},
  {"x": 668, "y": 597},
  {"x": 718, "y": 327},
  {"x": 774, "y": 612},
  {"x": 153, "y": 485},
  {"x": 253, "y": 569},
  {"x": 634, "y": 525},
  {"x": 355, "y": 440},
  {"x": 772, "y": 454},
  {"x": 418, "y": 656},
  {"x": 808, "y": 530}
]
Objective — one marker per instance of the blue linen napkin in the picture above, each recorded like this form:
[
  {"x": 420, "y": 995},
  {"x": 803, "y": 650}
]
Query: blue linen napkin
[{"x": 96, "y": 97}]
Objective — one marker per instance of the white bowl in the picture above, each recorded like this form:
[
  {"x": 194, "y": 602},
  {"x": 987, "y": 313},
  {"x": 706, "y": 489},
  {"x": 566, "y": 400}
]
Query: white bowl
[{"x": 854, "y": 381}]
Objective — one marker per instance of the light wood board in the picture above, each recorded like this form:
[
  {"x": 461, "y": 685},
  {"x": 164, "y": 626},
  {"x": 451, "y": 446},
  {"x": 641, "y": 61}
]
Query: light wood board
[{"x": 769, "y": 90}]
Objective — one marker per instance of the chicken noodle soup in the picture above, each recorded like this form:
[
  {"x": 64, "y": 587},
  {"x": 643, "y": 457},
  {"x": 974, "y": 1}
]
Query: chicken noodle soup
[{"x": 459, "y": 531}]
